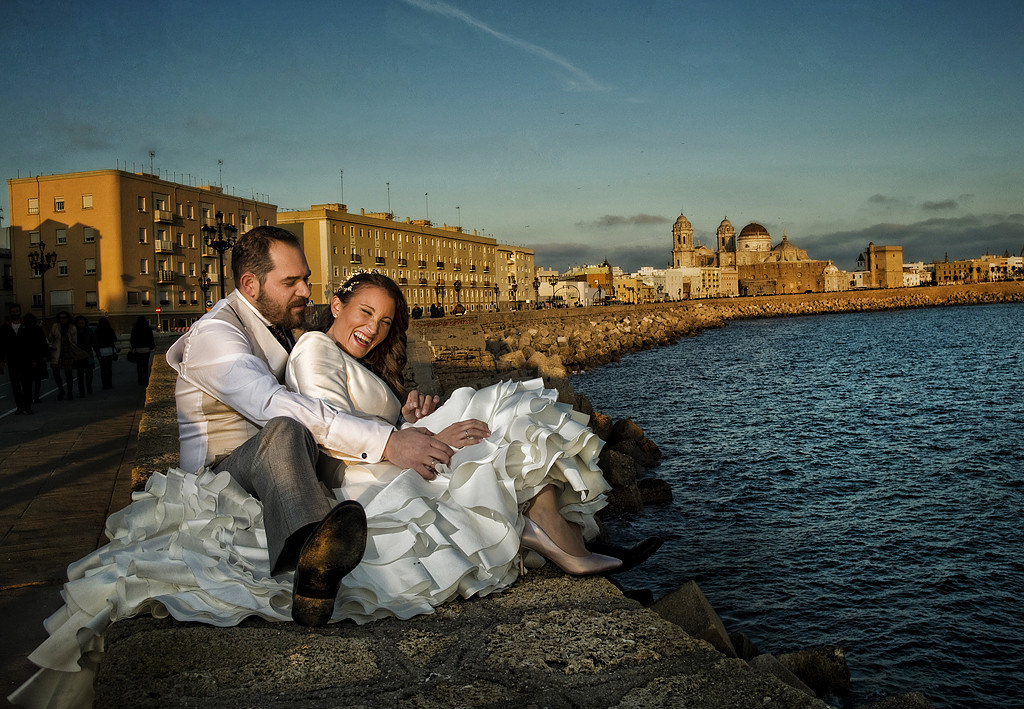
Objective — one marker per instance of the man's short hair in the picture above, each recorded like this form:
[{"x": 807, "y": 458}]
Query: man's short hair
[{"x": 251, "y": 252}]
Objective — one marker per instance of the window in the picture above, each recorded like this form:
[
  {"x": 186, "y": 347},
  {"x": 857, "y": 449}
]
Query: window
[
  {"x": 180, "y": 238},
  {"x": 60, "y": 298},
  {"x": 133, "y": 297},
  {"x": 142, "y": 204},
  {"x": 142, "y": 235},
  {"x": 191, "y": 269},
  {"x": 33, "y": 238},
  {"x": 144, "y": 265},
  {"x": 58, "y": 204},
  {"x": 145, "y": 297},
  {"x": 62, "y": 236},
  {"x": 37, "y": 300},
  {"x": 62, "y": 268},
  {"x": 87, "y": 201},
  {"x": 89, "y": 235},
  {"x": 90, "y": 266},
  {"x": 160, "y": 202},
  {"x": 191, "y": 241},
  {"x": 191, "y": 211},
  {"x": 91, "y": 299},
  {"x": 33, "y": 205}
]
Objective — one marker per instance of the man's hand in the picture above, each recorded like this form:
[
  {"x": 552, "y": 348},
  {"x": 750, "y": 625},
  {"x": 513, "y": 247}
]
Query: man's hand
[
  {"x": 418, "y": 405},
  {"x": 417, "y": 448}
]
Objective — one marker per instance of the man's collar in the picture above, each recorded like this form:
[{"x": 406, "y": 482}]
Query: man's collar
[{"x": 253, "y": 308}]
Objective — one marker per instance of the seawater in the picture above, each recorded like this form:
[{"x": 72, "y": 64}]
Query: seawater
[{"x": 852, "y": 480}]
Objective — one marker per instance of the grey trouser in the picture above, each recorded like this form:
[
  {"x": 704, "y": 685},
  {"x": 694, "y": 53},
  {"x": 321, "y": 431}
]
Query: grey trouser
[{"x": 278, "y": 466}]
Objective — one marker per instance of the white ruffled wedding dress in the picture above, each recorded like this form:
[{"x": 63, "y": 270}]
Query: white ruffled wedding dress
[{"x": 194, "y": 547}]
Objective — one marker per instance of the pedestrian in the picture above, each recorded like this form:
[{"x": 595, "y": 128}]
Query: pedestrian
[
  {"x": 106, "y": 349},
  {"x": 36, "y": 354},
  {"x": 62, "y": 341},
  {"x": 142, "y": 344},
  {"x": 12, "y": 358},
  {"x": 85, "y": 361}
]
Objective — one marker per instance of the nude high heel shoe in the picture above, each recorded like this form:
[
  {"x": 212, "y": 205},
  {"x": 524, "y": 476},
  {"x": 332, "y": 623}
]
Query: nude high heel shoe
[{"x": 536, "y": 539}]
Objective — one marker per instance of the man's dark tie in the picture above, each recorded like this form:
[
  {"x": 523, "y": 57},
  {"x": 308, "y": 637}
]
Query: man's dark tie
[{"x": 282, "y": 335}]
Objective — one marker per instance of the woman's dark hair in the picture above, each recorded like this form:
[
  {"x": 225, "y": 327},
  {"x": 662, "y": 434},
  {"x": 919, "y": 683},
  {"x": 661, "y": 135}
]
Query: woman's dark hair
[
  {"x": 386, "y": 360},
  {"x": 66, "y": 324},
  {"x": 141, "y": 323},
  {"x": 103, "y": 325}
]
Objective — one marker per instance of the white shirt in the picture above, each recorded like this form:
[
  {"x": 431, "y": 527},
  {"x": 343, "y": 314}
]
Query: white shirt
[{"x": 230, "y": 369}]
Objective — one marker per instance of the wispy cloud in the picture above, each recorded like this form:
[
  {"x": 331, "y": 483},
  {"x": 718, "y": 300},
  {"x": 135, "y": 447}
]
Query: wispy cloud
[
  {"x": 613, "y": 220},
  {"x": 576, "y": 78}
]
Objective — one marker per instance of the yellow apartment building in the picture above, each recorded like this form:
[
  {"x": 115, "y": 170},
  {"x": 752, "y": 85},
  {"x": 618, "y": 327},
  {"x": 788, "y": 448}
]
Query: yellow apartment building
[
  {"x": 123, "y": 244},
  {"x": 432, "y": 264}
]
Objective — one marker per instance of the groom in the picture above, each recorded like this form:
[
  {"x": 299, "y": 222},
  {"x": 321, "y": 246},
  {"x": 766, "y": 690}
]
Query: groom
[{"x": 235, "y": 414}]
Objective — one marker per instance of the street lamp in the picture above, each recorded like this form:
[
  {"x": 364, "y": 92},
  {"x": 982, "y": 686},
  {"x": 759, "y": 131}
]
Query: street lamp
[
  {"x": 497, "y": 290},
  {"x": 458, "y": 289},
  {"x": 204, "y": 286},
  {"x": 536, "y": 292},
  {"x": 220, "y": 239},
  {"x": 42, "y": 262}
]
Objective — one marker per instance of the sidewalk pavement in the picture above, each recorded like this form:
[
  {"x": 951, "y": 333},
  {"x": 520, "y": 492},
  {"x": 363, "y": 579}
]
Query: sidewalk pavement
[{"x": 63, "y": 471}]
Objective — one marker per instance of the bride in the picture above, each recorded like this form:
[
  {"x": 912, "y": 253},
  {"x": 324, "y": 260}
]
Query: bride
[{"x": 524, "y": 474}]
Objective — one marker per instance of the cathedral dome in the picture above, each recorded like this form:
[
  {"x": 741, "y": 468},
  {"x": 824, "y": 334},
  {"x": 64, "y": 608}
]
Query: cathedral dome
[
  {"x": 754, "y": 237},
  {"x": 683, "y": 222}
]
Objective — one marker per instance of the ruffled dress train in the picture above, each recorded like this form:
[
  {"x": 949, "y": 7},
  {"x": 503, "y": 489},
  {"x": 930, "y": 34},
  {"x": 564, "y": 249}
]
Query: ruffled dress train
[{"x": 193, "y": 546}]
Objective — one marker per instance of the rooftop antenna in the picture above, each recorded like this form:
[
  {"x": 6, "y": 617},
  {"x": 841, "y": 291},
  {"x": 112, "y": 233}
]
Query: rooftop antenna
[
  {"x": 220, "y": 173},
  {"x": 389, "y": 196},
  {"x": 151, "y": 154},
  {"x": 342, "y": 186}
]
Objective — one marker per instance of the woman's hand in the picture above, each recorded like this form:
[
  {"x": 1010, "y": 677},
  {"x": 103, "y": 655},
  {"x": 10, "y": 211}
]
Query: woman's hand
[
  {"x": 418, "y": 405},
  {"x": 464, "y": 433}
]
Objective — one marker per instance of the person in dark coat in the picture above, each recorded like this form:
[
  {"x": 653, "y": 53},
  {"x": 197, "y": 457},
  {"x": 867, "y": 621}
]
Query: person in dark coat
[
  {"x": 12, "y": 359},
  {"x": 106, "y": 349},
  {"x": 142, "y": 343}
]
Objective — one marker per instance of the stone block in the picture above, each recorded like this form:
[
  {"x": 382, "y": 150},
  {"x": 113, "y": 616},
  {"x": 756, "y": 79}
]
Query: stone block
[
  {"x": 745, "y": 648},
  {"x": 770, "y": 664},
  {"x": 822, "y": 669},
  {"x": 619, "y": 469},
  {"x": 912, "y": 700},
  {"x": 654, "y": 491},
  {"x": 688, "y": 608}
]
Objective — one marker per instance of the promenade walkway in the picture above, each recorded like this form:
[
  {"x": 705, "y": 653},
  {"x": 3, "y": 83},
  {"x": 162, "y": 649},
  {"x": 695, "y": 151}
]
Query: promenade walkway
[{"x": 63, "y": 470}]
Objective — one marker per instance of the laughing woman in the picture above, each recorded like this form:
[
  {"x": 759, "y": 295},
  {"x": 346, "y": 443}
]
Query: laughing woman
[{"x": 523, "y": 478}]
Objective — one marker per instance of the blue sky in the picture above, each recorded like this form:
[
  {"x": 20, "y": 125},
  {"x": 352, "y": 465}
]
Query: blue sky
[{"x": 581, "y": 129}]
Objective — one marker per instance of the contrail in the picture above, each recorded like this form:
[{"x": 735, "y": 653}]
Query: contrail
[{"x": 578, "y": 79}]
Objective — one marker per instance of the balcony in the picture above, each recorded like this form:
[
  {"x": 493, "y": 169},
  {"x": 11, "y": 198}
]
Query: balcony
[
  {"x": 423, "y": 281},
  {"x": 164, "y": 246},
  {"x": 422, "y": 263},
  {"x": 165, "y": 276},
  {"x": 457, "y": 267},
  {"x": 356, "y": 258},
  {"x": 163, "y": 215},
  {"x": 402, "y": 263},
  {"x": 472, "y": 268},
  {"x": 440, "y": 265},
  {"x": 403, "y": 281},
  {"x": 487, "y": 269},
  {"x": 379, "y": 261}
]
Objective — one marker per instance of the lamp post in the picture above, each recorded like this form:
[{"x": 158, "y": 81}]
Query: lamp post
[
  {"x": 536, "y": 292},
  {"x": 204, "y": 286},
  {"x": 497, "y": 290},
  {"x": 42, "y": 262},
  {"x": 513, "y": 291},
  {"x": 220, "y": 239},
  {"x": 458, "y": 289}
]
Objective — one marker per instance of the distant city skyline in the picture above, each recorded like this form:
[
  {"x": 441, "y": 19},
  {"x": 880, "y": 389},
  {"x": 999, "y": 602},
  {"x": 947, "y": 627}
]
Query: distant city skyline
[{"x": 578, "y": 129}]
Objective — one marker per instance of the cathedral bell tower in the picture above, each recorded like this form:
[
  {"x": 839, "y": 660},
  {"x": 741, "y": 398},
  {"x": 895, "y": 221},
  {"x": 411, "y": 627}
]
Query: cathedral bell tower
[{"x": 682, "y": 243}]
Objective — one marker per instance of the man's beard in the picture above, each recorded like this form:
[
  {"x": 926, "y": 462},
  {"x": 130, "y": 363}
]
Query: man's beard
[{"x": 281, "y": 315}]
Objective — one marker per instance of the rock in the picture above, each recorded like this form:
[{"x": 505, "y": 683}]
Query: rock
[
  {"x": 623, "y": 501},
  {"x": 688, "y": 608},
  {"x": 822, "y": 669},
  {"x": 912, "y": 700},
  {"x": 601, "y": 425},
  {"x": 618, "y": 468},
  {"x": 654, "y": 491},
  {"x": 625, "y": 429},
  {"x": 769, "y": 663},
  {"x": 745, "y": 648}
]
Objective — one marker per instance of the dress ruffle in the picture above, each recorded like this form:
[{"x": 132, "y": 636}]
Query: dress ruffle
[{"x": 194, "y": 546}]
